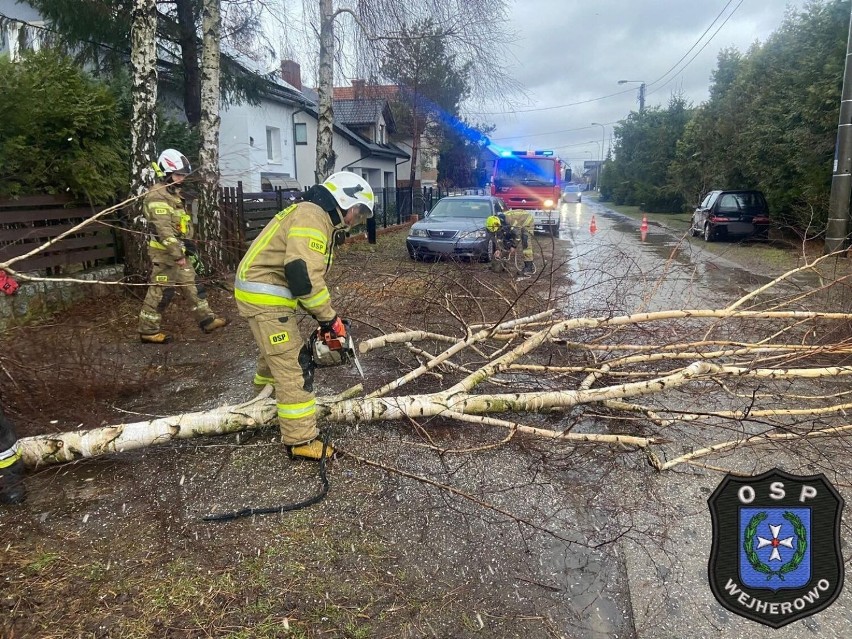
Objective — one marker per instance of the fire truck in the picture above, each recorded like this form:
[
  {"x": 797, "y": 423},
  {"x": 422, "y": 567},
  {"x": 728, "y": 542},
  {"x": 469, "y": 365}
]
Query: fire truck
[{"x": 531, "y": 180}]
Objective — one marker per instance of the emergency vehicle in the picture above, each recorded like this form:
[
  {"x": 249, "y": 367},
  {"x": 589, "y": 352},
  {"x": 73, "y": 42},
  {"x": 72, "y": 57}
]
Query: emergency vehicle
[{"x": 532, "y": 181}]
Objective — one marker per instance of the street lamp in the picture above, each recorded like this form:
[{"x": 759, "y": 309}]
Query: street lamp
[
  {"x": 641, "y": 92},
  {"x": 603, "y": 137}
]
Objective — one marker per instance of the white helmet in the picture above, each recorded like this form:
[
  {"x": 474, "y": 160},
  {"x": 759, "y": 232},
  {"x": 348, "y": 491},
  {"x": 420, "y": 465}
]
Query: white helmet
[
  {"x": 173, "y": 161},
  {"x": 349, "y": 189}
]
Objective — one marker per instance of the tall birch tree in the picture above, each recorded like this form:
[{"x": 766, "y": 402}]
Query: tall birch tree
[
  {"x": 358, "y": 29},
  {"x": 325, "y": 89},
  {"x": 143, "y": 119},
  {"x": 209, "y": 215}
]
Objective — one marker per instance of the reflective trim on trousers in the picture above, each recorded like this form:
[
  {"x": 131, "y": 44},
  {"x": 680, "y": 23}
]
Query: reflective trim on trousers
[
  {"x": 297, "y": 411},
  {"x": 262, "y": 380},
  {"x": 9, "y": 456}
]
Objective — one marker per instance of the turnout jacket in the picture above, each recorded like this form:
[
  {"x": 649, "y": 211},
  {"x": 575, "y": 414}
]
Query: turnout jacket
[
  {"x": 286, "y": 264},
  {"x": 168, "y": 223}
]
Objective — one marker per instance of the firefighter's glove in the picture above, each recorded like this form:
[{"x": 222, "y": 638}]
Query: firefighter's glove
[
  {"x": 193, "y": 258},
  {"x": 7, "y": 283},
  {"x": 335, "y": 328},
  {"x": 197, "y": 264}
]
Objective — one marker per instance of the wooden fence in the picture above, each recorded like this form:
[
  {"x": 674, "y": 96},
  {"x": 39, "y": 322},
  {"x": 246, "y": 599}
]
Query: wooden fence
[{"x": 29, "y": 222}]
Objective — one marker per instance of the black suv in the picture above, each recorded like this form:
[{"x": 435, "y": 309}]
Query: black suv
[{"x": 724, "y": 213}]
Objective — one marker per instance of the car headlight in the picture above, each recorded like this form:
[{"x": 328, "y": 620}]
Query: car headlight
[
  {"x": 548, "y": 204},
  {"x": 419, "y": 233},
  {"x": 481, "y": 234}
]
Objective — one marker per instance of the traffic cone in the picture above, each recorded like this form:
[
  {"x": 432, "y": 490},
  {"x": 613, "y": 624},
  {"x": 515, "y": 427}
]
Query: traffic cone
[
  {"x": 593, "y": 227},
  {"x": 644, "y": 226}
]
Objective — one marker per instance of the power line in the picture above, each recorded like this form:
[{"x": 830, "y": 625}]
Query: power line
[
  {"x": 538, "y": 135},
  {"x": 700, "y": 50},
  {"x": 611, "y": 95},
  {"x": 695, "y": 44}
]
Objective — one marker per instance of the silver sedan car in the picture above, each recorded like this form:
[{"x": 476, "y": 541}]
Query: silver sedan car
[{"x": 455, "y": 227}]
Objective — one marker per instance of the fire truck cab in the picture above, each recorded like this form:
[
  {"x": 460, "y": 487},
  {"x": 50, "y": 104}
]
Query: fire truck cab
[{"x": 532, "y": 181}]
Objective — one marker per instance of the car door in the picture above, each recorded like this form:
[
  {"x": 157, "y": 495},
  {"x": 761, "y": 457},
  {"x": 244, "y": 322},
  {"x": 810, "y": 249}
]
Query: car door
[{"x": 699, "y": 217}]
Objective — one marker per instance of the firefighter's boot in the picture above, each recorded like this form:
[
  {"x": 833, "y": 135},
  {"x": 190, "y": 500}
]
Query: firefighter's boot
[
  {"x": 529, "y": 268},
  {"x": 155, "y": 338},
  {"x": 214, "y": 324},
  {"x": 12, "y": 482},
  {"x": 312, "y": 450}
]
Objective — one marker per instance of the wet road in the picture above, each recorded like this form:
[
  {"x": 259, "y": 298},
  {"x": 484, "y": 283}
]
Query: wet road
[{"x": 619, "y": 268}]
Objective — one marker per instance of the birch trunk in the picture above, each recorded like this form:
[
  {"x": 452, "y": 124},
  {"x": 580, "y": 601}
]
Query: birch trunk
[
  {"x": 209, "y": 213},
  {"x": 143, "y": 120},
  {"x": 325, "y": 117}
]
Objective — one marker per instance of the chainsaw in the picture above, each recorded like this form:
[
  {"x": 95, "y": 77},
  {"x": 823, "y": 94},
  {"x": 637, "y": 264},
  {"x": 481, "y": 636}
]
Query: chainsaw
[{"x": 334, "y": 351}]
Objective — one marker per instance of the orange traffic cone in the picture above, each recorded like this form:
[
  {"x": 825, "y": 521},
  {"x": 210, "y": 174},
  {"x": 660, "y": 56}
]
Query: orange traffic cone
[
  {"x": 644, "y": 226},
  {"x": 592, "y": 226}
]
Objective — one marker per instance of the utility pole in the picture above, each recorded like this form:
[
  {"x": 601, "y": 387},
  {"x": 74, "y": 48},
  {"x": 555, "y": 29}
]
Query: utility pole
[
  {"x": 641, "y": 92},
  {"x": 837, "y": 228}
]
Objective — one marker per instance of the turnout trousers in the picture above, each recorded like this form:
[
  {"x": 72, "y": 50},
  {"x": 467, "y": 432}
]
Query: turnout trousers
[
  {"x": 167, "y": 278},
  {"x": 286, "y": 361}
]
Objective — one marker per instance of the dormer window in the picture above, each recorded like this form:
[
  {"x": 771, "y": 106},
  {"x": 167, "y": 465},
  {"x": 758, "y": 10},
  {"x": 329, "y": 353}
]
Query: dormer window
[{"x": 381, "y": 139}]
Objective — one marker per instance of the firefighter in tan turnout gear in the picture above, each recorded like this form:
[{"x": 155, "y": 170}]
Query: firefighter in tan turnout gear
[
  {"x": 509, "y": 229},
  {"x": 169, "y": 245},
  {"x": 282, "y": 274}
]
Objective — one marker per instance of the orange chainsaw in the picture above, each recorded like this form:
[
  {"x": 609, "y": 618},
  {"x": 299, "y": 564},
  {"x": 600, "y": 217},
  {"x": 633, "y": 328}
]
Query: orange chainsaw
[{"x": 331, "y": 349}]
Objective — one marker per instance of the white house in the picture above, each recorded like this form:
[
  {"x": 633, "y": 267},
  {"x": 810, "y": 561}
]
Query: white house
[{"x": 256, "y": 142}]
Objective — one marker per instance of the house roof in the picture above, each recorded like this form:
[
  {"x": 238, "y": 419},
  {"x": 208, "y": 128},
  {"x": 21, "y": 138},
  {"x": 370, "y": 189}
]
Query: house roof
[
  {"x": 386, "y": 91},
  {"x": 375, "y": 149},
  {"x": 364, "y": 111}
]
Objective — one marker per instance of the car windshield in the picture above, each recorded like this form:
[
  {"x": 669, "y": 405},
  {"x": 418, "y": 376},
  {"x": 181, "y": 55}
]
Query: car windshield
[
  {"x": 451, "y": 207},
  {"x": 572, "y": 188},
  {"x": 528, "y": 171}
]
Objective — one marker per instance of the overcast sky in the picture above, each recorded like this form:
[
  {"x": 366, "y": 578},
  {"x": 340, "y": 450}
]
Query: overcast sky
[{"x": 575, "y": 51}]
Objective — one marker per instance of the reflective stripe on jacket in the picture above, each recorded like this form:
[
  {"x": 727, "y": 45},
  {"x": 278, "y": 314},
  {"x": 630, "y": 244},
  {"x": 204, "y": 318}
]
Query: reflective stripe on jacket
[
  {"x": 164, "y": 210},
  {"x": 303, "y": 232}
]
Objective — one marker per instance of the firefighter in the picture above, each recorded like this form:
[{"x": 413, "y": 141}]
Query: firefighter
[
  {"x": 282, "y": 274},
  {"x": 508, "y": 229},
  {"x": 11, "y": 465},
  {"x": 169, "y": 228}
]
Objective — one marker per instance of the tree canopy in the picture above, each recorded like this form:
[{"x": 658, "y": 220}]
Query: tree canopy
[{"x": 770, "y": 123}]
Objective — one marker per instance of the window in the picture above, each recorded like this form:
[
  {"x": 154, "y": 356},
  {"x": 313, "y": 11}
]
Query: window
[
  {"x": 381, "y": 139},
  {"x": 301, "y": 133},
  {"x": 273, "y": 144}
]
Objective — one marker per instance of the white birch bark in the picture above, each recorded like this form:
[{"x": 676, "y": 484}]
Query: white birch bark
[
  {"x": 143, "y": 119},
  {"x": 209, "y": 213},
  {"x": 325, "y": 120}
]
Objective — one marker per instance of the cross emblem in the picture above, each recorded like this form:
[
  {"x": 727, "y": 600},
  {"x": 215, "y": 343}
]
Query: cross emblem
[{"x": 775, "y": 542}]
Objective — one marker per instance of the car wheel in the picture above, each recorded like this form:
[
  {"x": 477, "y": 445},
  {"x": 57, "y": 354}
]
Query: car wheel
[
  {"x": 709, "y": 233},
  {"x": 694, "y": 232},
  {"x": 412, "y": 253},
  {"x": 488, "y": 254}
]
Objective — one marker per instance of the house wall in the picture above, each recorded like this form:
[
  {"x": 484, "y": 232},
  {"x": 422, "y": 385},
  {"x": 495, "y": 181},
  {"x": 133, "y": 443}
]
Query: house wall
[
  {"x": 427, "y": 163},
  {"x": 10, "y": 32},
  {"x": 243, "y": 152},
  {"x": 349, "y": 158}
]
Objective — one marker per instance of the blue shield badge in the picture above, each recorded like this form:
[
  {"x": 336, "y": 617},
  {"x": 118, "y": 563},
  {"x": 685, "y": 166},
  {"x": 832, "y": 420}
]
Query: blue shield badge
[{"x": 776, "y": 546}]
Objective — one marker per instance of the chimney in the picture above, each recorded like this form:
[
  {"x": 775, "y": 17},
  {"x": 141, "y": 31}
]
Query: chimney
[
  {"x": 291, "y": 73},
  {"x": 358, "y": 89}
]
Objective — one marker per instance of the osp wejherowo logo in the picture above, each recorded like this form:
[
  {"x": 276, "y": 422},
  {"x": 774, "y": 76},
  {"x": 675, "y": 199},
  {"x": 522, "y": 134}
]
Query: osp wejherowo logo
[{"x": 776, "y": 546}]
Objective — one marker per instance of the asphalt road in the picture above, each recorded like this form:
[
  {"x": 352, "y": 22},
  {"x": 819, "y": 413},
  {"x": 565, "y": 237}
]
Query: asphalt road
[{"x": 665, "y": 520}]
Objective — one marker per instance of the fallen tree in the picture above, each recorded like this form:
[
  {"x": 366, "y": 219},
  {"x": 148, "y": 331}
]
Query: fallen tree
[{"x": 459, "y": 402}]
